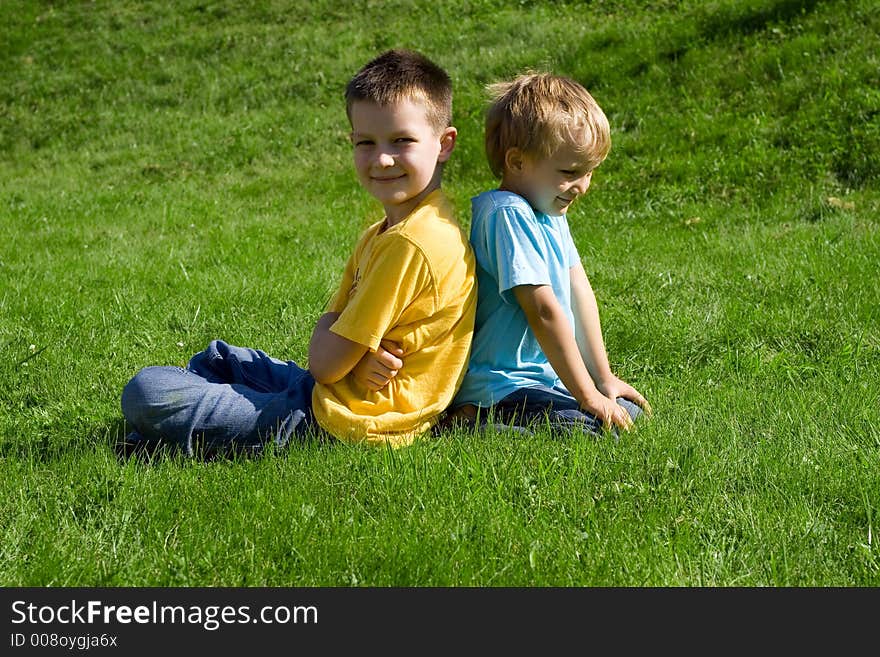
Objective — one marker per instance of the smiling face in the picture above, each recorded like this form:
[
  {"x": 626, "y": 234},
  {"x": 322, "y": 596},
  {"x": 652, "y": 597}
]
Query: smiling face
[
  {"x": 550, "y": 184},
  {"x": 398, "y": 153}
]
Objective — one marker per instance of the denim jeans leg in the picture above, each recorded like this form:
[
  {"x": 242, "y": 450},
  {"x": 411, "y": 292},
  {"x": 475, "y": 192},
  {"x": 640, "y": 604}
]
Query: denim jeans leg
[
  {"x": 241, "y": 399},
  {"x": 225, "y": 363},
  {"x": 555, "y": 408},
  {"x": 632, "y": 408}
]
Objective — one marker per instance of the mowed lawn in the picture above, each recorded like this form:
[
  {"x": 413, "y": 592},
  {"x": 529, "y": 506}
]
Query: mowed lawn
[{"x": 176, "y": 172}]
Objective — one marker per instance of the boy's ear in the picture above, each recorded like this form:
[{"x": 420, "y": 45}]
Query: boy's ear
[
  {"x": 447, "y": 143},
  {"x": 513, "y": 160}
]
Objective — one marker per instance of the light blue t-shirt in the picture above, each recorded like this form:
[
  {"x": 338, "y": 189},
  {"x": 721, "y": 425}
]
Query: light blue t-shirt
[{"x": 514, "y": 245}]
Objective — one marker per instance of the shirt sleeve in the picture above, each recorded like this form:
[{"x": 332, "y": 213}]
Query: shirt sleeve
[
  {"x": 340, "y": 299},
  {"x": 513, "y": 251},
  {"x": 395, "y": 274}
]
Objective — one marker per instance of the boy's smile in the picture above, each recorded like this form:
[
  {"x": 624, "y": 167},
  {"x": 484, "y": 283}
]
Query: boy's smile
[{"x": 397, "y": 153}]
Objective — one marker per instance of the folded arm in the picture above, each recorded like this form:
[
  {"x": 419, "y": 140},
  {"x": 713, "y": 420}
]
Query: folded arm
[
  {"x": 376, "y": 369},
  {"x": 331, "y": 356}
]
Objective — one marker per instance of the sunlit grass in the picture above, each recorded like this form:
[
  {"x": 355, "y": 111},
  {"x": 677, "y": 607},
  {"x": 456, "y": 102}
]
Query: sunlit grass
[{"x": 173, "y": 173}]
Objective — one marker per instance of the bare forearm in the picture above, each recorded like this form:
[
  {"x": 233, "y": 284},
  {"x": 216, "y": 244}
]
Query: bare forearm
[
  {"x": 551, "y": 326},
  {"x": 588, "y": 328},
  {"x": 588, "y": 333},
  {"x": 557, "y": 339},
  {"x": 331, "y": 356},
  {"x": 565, "y": 361}
]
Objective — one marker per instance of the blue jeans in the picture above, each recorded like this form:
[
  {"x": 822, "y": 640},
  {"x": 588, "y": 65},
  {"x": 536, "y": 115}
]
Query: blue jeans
[
  {"x": 527, "y": 409},
  {"x": 227, "y": 397}
]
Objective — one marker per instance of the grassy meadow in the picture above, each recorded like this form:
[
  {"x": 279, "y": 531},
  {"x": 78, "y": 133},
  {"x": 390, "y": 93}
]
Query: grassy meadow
[{"x": 173, "y": 172}]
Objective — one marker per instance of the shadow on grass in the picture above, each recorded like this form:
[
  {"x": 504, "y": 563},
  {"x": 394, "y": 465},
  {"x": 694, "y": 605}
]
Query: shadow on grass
[
  {"x": 50, "y": 446},
  {"x": 128, "y": 446},
  {"x": 738, "y": 20},
  {"x": 734, "y": 21}
]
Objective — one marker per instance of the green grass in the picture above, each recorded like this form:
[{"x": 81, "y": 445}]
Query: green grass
[{"x": 176, "y": 172}]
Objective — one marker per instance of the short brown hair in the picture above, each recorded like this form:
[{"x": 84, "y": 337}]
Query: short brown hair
[
  {"x": 397, "y": 74},
  {"x": 538, "y": 112}
]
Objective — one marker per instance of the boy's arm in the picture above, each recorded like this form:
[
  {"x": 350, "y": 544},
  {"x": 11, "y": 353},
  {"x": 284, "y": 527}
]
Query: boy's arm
[
  {"x": 588, "y": 330},
  {"x": 588, "y": 334},
  {"x": 331, "y": 356},
  {"x": 376, "y": 369},
  {"x": 550, "y": 324}
]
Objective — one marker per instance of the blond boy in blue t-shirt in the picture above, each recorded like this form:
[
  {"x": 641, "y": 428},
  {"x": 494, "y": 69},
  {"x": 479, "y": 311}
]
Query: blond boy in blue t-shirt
[
  {"x": 388, "y": 355},
  {"x": 538, "y": 353}
]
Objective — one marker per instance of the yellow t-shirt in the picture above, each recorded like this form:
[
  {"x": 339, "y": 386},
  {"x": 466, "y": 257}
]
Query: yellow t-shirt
[{"x": 413, "y": 284}]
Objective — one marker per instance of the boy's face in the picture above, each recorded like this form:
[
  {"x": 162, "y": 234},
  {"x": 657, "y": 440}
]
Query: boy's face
[
  {"x": 397, "y": 153},
  {"x": 552, "y": 184}
]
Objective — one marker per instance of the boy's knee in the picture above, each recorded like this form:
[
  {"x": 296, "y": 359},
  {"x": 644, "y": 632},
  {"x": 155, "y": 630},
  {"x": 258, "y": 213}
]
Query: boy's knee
[
  {"x": 143, "y": 392},
  {"x": 133, "y": 396},
  {"x": 632, "y": 408}
]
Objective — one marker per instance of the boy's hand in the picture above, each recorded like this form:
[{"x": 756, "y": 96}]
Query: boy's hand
[
  {"x": 614, "y": 387},
  {"x": 609, "y": 411},
  {"x": 376, "y": 369}
]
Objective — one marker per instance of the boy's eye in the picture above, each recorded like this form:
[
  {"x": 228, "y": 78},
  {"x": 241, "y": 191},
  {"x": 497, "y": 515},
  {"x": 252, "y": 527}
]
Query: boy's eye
[
  {"x": 574, "y": 173},
  {"x": 404, "y": 140},
  {"x": 363, "y": 142}
]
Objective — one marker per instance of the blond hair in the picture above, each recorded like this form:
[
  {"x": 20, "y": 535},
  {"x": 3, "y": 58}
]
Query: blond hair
[{"x": 537, "y": 113}]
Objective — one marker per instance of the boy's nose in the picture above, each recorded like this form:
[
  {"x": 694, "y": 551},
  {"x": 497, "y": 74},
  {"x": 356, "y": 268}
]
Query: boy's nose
[
  {"x": 582, "y": 184},
  {"x": 385, "y": 160}
]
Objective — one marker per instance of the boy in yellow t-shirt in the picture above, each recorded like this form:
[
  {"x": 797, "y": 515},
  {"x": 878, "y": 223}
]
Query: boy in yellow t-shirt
[{"x": 387, "y": 357}]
